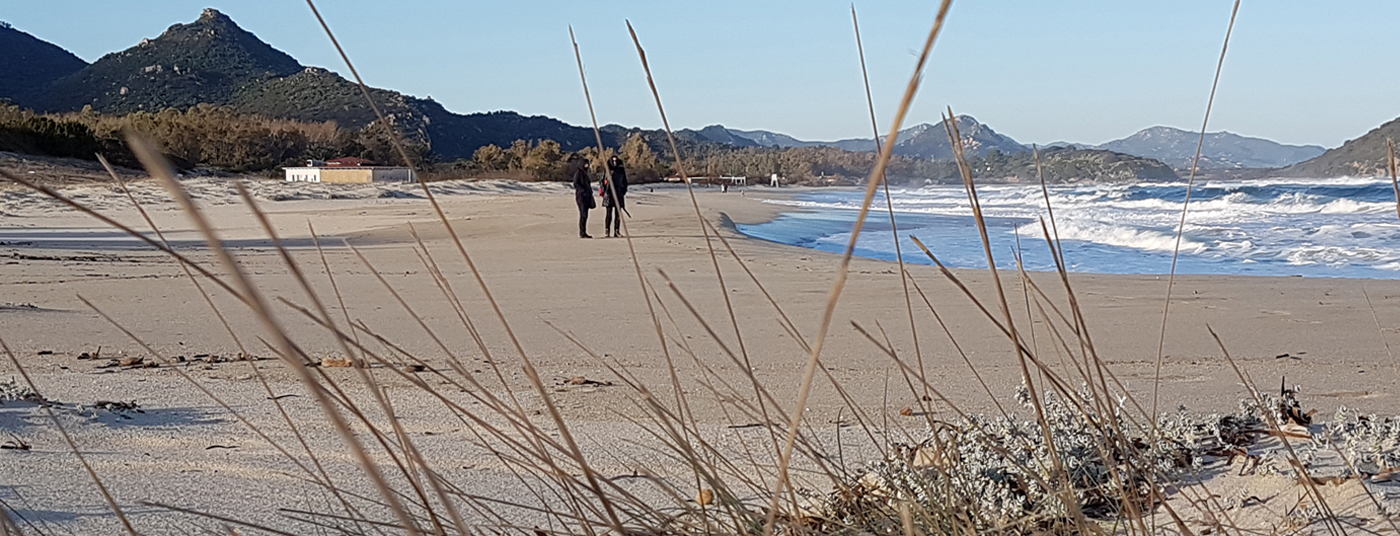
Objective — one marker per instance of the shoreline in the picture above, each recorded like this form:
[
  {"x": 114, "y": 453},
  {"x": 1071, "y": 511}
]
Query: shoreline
[
  {"x": 1306, "y": 229},
  {"x": 495, "y": 224}
]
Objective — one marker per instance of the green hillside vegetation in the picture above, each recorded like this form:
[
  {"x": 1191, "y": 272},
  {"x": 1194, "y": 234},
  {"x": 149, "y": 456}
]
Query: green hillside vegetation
[
  {"x": 204, "y": 62},
  {"x": 30, "y": 65},
  {"x": 1068, "y": 165},
  {"x": 829, "y": 164},
  {"x": 819, "y": 165},
  {"x": 1362, "y": 157},
  {"x": 544, "y": 160},
  {"x": 316, "y": 95}
]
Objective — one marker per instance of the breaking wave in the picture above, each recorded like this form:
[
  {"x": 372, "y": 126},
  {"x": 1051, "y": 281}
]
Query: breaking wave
[{"x": 1335, "y": 228}]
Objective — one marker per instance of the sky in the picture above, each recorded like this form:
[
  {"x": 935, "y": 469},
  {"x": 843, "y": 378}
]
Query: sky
[{"x": 1084, "y": 71}]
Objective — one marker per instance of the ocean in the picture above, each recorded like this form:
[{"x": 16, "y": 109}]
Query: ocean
[{"x": 1271, "y": 227}]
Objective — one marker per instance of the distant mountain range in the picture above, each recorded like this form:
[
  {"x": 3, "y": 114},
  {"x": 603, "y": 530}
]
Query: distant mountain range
[
  {"x": 923, "y": 140},
  {"x": 214, "y": 61},
  {"x": 1175, "y": 147},
  {"x": 1221, "y": 150}
]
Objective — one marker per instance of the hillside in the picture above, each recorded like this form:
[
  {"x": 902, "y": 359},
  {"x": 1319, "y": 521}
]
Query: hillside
[
  {"x": 1221, "y": 150},
  {"x": 30, "y": 65},
  {"x": 1065, "y": 165},
  {"x": 214, "y": 61},
  {"x": 924, "y": 140},
  {"x": 931, "y": 141},
  {"x": 765, "y": 138},
  {"x": 315, "y": 94},
  {"x": 205, "y": 61},
  {"x": 1364, "y": 156},
  {"x": 719, "y": 134}
]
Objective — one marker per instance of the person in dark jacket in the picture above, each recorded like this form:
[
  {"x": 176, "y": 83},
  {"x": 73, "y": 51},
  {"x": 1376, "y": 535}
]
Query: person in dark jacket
[
  {"x": 614, "y": 197},
  {"x": 583, "y": 192}
]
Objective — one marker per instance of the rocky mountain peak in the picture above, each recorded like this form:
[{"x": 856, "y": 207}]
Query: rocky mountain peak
[
  {"x": 204, "y": 61},
  {"x": 210, "y": 14}
]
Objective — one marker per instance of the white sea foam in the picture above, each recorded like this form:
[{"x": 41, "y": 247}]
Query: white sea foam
[
  {"x": 1337, "y": 226},
  {"x": 1115, "y": 235}
]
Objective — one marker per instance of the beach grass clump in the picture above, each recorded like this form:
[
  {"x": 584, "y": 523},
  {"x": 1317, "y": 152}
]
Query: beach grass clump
[
  {"x": 996, "y": 474},
  {"x": 1370, "y": 443},
  {"x": 983, "y": 474}
]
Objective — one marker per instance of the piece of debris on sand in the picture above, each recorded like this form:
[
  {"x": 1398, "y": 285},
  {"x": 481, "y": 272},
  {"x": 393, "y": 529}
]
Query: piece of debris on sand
[
  {"x": 12, "y": 391},
  {"x": 117, "y": 407},
  {"x": 341, "y": 362},
  {"x": 580, "y": 380}
]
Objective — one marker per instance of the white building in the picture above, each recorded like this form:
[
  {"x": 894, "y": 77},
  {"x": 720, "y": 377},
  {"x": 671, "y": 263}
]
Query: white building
[{"x": 348, "y": 170}]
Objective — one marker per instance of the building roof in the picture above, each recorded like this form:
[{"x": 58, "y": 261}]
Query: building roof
[{"x": 349, "y": 161}]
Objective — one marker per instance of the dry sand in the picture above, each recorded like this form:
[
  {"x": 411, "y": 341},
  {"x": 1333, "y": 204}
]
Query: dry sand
[{"x": 184, "y": 450}]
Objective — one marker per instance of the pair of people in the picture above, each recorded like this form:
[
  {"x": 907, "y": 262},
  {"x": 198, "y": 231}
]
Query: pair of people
[{"x": 614, "y": 195}]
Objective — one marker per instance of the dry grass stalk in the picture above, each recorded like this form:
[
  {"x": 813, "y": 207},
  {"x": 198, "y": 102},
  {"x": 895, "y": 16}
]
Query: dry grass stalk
[
  {"x": 678, "y": 391},
  {"x": 1394, "y": 177},
  {"x": 704, "y": 230},
  {"x": 872, "y": 183},
  {"x": 1333, "y": 525},
  {"x": 72, "y": 446},
  {"x": 530, "y": 372},
  {"x": 412, "y": 454},
  {"x": 320, "y": 476},
  {"x": 8, "y": 527},
  {"x": 889, "y": 203},
  {"x": 157, "y": 166},
  {"x": 1186, "y": 205},
  {"x": 955, "y": 139}
]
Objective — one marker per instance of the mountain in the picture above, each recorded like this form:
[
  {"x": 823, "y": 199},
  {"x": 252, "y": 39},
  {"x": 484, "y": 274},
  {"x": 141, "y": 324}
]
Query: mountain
[
  {"x": 923, "y": 140},
  {"x": 214, "y": 61},
  {"x": 1364, "y": 156},
  {"x": 205, "y": 61},
  {"x": 931, "y": 141},
  {"x": 765, "y": 138},
  {"x": 719, "y": 134},
  {"x": 1222, "y": 150},
  {"x": 316, "y": 94},
  {"x": 31, "y": 65},
  {"x": 1069, "y": 164},
  {"x": 1061, "y": 165}
]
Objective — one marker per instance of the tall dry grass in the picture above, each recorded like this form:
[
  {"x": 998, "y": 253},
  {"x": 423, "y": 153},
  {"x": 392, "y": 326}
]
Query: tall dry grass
[{"x": 1092, "y": 460}]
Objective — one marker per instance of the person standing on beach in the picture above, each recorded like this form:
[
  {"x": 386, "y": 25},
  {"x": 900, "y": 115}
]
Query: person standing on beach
[
  {"x": 614, "y": 197},
  {"x": 583, "y": 192}
]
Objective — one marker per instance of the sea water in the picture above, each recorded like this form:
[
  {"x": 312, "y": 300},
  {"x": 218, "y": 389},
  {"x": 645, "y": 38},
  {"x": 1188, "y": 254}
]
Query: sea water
[{"x": 1276, "y": 227}]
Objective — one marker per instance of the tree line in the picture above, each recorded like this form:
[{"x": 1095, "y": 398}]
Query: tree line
[
  {"x": 220, "y": 137},
  {"x": 203, "y": 135}
]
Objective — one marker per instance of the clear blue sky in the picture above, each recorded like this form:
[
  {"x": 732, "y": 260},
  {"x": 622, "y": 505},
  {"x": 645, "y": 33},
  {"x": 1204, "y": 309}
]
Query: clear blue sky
[{"x": 1084, "y": 71}]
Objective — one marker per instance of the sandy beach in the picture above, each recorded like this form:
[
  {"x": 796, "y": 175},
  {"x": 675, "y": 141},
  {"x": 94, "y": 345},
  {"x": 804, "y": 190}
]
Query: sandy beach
[{"x": 1329, "y": 336}]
